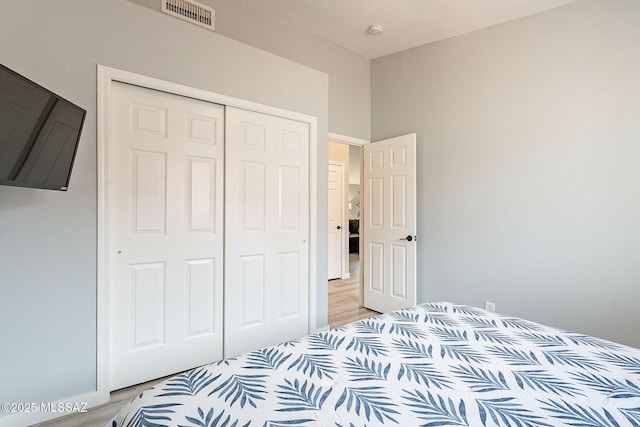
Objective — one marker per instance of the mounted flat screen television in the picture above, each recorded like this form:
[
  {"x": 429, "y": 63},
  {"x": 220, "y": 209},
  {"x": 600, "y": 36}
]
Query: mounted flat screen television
[{"x": 39, "y": 134}]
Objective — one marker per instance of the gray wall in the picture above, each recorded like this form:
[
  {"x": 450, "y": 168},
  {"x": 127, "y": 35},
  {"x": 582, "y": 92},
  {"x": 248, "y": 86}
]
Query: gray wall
[
  {"x": 528, "y": 164},
  {"x": 349, "y": 73},
  {"x": 48, "y": 239}
]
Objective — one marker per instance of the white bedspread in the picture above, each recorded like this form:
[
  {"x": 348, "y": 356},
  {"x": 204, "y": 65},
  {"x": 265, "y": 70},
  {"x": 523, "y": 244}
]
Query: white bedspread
[{"x": 430, "y": 365}]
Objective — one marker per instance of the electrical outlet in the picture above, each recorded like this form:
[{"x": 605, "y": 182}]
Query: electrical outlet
[{"x": 490, "y": 306}]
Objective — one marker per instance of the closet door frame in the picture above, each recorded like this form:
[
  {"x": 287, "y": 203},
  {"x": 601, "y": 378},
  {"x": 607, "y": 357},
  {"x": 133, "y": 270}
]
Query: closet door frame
[{"x": 106, "y": 77}]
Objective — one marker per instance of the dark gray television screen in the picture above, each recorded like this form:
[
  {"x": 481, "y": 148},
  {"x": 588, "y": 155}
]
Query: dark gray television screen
[{"x": 39, "y": 134}]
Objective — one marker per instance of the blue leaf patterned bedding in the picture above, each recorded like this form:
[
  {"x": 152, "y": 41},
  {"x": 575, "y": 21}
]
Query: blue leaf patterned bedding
[{"x": 430, "y": 365}]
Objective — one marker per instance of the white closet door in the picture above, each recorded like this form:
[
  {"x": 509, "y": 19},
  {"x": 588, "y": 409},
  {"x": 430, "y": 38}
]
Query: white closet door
[
  {"x": 165, "y": 233},
  {"x": 267, "y": 230}
]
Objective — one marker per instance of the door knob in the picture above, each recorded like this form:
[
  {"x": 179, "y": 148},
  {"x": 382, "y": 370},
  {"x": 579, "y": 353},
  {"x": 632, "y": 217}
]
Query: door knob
[
  {"x": 408, "y": 238},
  {"x": 339, "y": 227}
]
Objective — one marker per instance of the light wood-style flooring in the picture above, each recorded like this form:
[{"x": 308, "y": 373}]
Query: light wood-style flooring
[
  {"x": 344, "y": 307},
  {"x": 344, "y": 297}
]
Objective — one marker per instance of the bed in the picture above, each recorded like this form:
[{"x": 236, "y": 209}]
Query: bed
[{"x": 437, "y": 364}]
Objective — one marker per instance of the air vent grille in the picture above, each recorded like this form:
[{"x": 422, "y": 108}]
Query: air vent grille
[{"x": 191, "y": 11}]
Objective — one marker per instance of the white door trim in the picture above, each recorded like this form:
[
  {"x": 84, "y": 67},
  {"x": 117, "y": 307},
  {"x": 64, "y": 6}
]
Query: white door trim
[
  {"x": 106, "y": 76},
  {"x": 350, "y": 140},
  {"x": 347, "y": 139}
]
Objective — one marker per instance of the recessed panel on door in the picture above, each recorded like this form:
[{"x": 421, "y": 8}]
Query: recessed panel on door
[
  {"x": 148, "y": 290},
  {"x": 289, "y": 198},
  {"x": 332, "y": 205},
  {"x": 289, "y": 143},
  {"x": 333, "y": 242},
  {"x": 376, "y": 202},
  {"x": 201, "y": 284},
  {"x": 202, "y": 129},
  {"x": 201, "y": 194},
  {"x": 253, "y": 137},
  {"x": 149, "y": 191},
  {"x": 376, "y": 265},
  {"x": 290, "y": 284},
  {"x": 399, "y": 271},
  {"x": 399, "y": 201},
  {"x": 398, "y": 156},
  {"x": 333, "y": 198},
  {"x": 252, "y": 196},
  {"x": 252, "y": 284},
  {"x": 376, "y": 160},
  {"x": 148, "y": 120}
]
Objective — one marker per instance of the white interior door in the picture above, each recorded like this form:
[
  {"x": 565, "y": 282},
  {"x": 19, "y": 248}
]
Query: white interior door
[
  {"x": 389, "y": 223},
  {"x": 165, "y": 233},
  {"x": 267, "y": 229},
  {"x": 336, "y": 219}
]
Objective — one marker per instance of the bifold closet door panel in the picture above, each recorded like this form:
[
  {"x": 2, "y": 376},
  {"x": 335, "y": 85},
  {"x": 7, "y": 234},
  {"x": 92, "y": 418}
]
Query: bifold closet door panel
[
  {"x": 165, "y": 223},
  {"x": 267, "y": 230}
]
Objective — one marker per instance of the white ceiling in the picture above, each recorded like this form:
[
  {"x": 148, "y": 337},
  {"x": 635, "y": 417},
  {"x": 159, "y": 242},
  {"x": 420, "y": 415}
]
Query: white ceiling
[{"x": 407, "y": 23}]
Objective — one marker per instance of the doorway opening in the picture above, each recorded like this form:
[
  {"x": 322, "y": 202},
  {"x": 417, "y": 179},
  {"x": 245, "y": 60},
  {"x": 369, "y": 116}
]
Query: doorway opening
[{"x": 345, "y": 248}]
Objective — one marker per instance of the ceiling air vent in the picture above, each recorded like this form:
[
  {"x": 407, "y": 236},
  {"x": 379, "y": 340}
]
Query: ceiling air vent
[{"x": 191, "y": 11}]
